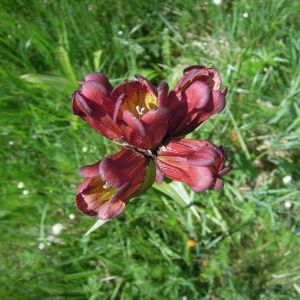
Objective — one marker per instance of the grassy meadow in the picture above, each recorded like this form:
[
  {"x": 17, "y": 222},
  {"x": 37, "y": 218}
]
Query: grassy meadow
[{"x": 245, "y": 245}]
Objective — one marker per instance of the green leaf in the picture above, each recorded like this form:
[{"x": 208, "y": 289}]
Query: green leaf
[
  {"x": 49, "y": 81},
  {"x": 148, "y": 182},
  {"x": 176, "y": 191},
  {"x": 98, "y": 224}
]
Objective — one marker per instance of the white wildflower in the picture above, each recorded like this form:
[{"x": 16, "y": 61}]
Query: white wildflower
[
  {"x": 72, "y": 216},
  {"x": 25, "y": 192},
  {"x": 245, "y": 15},
  {"x": 287, "y": 179},
  {"x": 42, "y": 246},
  {"x": 217, "y": 2},
  {"x": 84, "y": 149},
  {"x": 57, "y": 228},
  {"x": 287, "y": 204},
  {"x": 21, "y": 185}
]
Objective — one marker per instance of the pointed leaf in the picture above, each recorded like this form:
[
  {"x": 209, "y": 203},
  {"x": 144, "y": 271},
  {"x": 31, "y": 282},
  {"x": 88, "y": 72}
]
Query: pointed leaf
[{"x": 98, "y": 224}]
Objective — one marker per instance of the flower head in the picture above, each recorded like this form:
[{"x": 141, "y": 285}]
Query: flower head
[
  {"x": 200, "y": 164},
  {"x": 147, "y": 122},
  {"x": 195, "y": 98},
  {"x": 109, "y": 183},
  {"x": 130, "y": 112}
]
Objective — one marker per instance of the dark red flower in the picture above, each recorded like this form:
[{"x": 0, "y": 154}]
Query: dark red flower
[
  {"x": 200, "y": 164},
  {"x": 196, "y": 97},
  {"x": 145, "y": 121},
  {"x": 109, "y": 183},
  {"x": 130, "y": 112}
]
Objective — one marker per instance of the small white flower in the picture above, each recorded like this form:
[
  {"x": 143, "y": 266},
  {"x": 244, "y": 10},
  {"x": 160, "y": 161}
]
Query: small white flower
[
  {"x": 11, "y": 143},
  {"x": 245, "y": 15},
  {"x": 21, "y": 185},
  {"x": 57, "y": 228},
  {"x": 42, "y": 246},
  {"x": 84, "y": 149},
  {"x": 72, "y": 216},
  {"x": 287, "y": 179},
  {"x": 25, "y": 192},
  {"x": 217, "y": 2},
  {"x": 287, "y": 204},
  {"x": 120, "y": 32}
]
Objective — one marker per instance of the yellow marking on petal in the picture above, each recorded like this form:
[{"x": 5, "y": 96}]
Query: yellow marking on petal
[
  {"x": 150, "y": 101},
  {"x": 139, "y": 102},
  {"x": 97, "y": 193}
]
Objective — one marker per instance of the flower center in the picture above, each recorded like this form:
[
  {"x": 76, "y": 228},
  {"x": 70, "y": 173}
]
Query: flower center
[
  {"x": 140, "y": 110},
  {"x": 139, "y": 102},
  {"x": 106, "y": 185}
]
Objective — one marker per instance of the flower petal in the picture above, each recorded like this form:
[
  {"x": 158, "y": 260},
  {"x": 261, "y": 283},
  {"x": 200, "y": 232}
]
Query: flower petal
[
  {"x": 111, "y": 209},
  {"x": 190, "y": 74},
  {"x": 216, "y": 81},
  {"x": 215, "y": 105},
  {"x": 94, "y": 114},
  {"x": 83, "y": 206},
  {"x": 147, "y": 83},
  {"x": 163, "y": 91},
  {"x": 99, "y": 77},
  {"x": 125, "y": 166},
  {"x": 90, "y": 170},
  {"x": 134, "y": 123},
  {"x": 155, "y": 123},
  {"x": 197, "y": 163},
  {"x": 218, "y": 185},
  {"x": 200, "y": 90},
  {"x": 197, "y": 95}
]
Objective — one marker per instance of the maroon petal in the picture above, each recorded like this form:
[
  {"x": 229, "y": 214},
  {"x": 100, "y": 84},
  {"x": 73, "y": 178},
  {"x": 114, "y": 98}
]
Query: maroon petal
[
  {"x": 215, "y": 105},
  {"x": 216, "y": 81},
  {"x": 111, "y": 209},
  {"x": 94, "y": 90},
  {"x": 83, "y": 206},
  {"x": 201, "y": 179},
  {"x": 117, "y": 107},
  {"x": 147, "y": 83},
  {"x": 83, "y": 185},
  {"x": 155, "y": 123},
  {"x": 90, "y": 170},
  {"x": 123, "y": 167},
  {"x": 219, "y": 184},
  {"x": 163, "y": 91},
  {"x": 224, "y": 171},
  {"x": 193, "y": 68},
  {"x": 190, "y": 75},
  {"x": 134, "y": 123},
  {"x": 197, "y": 95},
  {"x": 99, "y": 77},
  {"x": 95, "y": 116}
]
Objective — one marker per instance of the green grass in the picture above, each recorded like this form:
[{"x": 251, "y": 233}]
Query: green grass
[{"x": 247, "y": 241}]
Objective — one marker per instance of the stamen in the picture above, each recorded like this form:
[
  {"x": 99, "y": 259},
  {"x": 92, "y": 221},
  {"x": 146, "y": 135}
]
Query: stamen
[
  {"x": 140, "y": 110},
  {"x": 106, "y": 185},
  {"x": 163, "y": 148}
]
